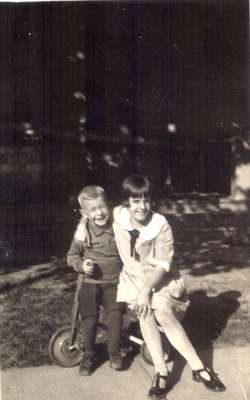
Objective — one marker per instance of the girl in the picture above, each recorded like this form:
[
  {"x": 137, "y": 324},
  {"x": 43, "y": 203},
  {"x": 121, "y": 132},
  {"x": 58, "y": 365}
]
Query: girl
[{"x": 151, "y": 285}]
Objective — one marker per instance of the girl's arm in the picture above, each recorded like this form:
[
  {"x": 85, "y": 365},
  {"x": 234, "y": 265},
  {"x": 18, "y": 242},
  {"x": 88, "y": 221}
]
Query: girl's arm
[
  {"x": 143, "y": 299},
  {"x": 163, "y": 249},
  {"x": 162, "y": 260},
  {"x": 82, "y": 232}
]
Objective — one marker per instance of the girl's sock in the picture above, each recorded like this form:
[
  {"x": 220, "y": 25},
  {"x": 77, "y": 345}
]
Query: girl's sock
[{"x": 151, "y": 335}]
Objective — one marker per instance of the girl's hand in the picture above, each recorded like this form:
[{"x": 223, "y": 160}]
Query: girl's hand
[
  {"x": 143, "y": 306},
  {"x": 88, "y": 267},
  {"x": 82, "y": 232}
]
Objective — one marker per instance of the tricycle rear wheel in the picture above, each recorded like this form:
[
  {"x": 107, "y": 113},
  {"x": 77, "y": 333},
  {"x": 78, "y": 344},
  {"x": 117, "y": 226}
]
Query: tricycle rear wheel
[{"x": 147, "y": 356}]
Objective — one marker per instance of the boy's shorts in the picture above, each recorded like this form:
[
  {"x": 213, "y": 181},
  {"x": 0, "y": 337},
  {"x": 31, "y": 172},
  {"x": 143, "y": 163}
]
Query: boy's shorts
[{"x": 91, "y": 296}]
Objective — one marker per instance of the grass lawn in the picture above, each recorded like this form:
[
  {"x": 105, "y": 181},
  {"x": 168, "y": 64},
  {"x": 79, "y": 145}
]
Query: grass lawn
[{"x": 31, "y": 311}]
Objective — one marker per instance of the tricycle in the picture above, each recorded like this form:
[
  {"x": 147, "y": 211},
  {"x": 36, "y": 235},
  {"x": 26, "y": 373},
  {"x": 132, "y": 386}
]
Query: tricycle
[{"x": 66, "y": 349}]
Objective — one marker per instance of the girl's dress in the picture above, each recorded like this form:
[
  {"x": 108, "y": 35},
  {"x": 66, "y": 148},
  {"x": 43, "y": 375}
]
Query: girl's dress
[{"x": 141, "y": 252}]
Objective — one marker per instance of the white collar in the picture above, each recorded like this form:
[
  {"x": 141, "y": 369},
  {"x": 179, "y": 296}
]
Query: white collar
[{"x": 147, "y": 232}]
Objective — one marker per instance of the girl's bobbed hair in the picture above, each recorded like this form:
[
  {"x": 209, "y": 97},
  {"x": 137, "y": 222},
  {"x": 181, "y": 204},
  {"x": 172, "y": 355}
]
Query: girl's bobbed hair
[{"x": 136, "y": 186}]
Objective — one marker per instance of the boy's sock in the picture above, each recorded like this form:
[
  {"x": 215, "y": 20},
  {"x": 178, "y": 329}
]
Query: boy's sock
[
  {"x": 88, "y": 329},
  {"x": 114, "y": 339},
  {"x": 114, "y": 322}
]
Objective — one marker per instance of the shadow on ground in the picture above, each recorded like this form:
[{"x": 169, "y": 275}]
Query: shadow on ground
[{"x": 204, "y": 322}]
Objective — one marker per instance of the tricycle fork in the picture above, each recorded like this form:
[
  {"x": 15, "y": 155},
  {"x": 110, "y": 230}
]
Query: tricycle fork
[{"x": 75, "y": 311}]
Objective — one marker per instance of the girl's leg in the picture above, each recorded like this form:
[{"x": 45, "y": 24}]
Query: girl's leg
[
  {"x": 178, "y": 337},
  {"x": 152, "y": 338},
  {"x": 151, "y": 335}
]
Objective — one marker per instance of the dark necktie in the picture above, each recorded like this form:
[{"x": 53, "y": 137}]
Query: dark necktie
[{"x": 134, "y": 234}]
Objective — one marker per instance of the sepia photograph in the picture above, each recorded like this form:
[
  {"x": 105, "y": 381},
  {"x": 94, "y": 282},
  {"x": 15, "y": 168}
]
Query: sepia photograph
[{"x": 124, "y": 200}]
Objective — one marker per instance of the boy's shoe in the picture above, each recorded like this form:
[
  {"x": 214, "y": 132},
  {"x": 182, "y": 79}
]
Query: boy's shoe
[
  {"x": 156, "y": 392},
  {"x": 116, "y": 361},
  {"x": 86, "y": 367},
  {"x": 213, "y": 383}
]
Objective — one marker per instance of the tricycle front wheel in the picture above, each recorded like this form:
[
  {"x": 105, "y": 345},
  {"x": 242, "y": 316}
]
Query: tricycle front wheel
[{"x": 60, "y": 351}]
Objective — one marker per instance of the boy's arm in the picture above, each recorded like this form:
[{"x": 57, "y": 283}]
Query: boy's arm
[
  {"x": 75, "y": 255},
  {"x": 76, "y": 259}
]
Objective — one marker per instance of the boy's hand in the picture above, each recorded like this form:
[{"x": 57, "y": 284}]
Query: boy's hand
[{"x": 88, "y": 267}]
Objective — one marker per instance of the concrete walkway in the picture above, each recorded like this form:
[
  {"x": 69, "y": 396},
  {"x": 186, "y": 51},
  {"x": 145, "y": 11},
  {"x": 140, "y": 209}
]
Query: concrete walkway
[{"x": 55, "y": 383}]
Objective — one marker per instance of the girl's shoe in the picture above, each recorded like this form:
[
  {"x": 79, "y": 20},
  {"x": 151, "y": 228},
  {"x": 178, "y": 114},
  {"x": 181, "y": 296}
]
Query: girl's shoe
[
  {"x": 156, "y": 392},
  {"x": 213, "y": 383}
]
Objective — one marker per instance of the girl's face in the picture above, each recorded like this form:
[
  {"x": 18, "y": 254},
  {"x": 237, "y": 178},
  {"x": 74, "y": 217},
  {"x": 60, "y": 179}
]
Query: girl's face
[{"x": 140, "y": 209}]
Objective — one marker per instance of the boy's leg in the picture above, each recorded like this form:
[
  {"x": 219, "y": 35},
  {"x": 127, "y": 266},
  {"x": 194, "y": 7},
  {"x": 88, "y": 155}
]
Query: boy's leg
[
  {"x": 114, "y": 312},
  {"x": 88, "y": 329},
  {"x": 89, "y": 311},
  {"x": 114, "y": 322}
]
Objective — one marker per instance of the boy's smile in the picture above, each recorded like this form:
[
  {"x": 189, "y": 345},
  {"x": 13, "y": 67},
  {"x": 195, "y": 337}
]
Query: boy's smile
[{"x": 97, "y": 211}]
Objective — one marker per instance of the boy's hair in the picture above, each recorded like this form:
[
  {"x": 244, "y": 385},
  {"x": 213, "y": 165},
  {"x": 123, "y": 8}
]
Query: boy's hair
[
  {"x": 91, "y": 192},
  {"x": 136, "y": 186}
]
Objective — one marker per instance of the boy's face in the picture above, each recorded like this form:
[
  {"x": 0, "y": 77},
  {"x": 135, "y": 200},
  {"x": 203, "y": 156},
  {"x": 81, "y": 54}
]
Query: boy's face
[
  {"x": 96, "y": 210},
  {"x": 140, "y": 208}
]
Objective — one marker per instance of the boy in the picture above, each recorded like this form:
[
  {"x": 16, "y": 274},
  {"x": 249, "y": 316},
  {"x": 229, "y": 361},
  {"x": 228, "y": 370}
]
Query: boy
[{"x": 98, "y": 259}]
